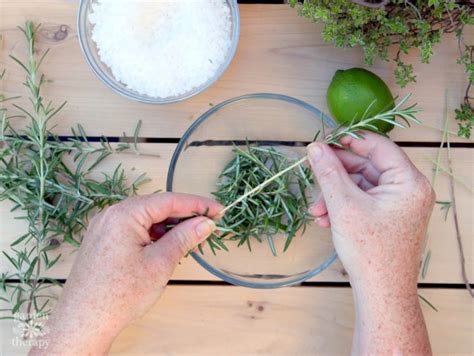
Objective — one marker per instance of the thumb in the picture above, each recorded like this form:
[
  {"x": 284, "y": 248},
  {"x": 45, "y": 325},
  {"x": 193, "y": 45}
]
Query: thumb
[
  {"x": 184, "y": 237},
  {"x": 335, "y": 183}
]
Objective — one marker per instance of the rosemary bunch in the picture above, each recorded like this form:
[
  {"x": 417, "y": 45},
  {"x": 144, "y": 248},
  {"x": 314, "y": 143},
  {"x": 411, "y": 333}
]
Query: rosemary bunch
[
  {"x": 49, "y": 181},
  {"x": 257, "y": 195}
]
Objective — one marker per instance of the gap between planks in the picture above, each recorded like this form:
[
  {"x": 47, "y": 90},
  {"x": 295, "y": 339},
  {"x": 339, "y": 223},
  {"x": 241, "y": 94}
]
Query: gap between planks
[
  {"x": 175, "y": 140},
  {"x": 310, "y": 284}
]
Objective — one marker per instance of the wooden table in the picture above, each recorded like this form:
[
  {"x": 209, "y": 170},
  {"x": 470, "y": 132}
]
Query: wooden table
[{"x": 282, "y": 53}]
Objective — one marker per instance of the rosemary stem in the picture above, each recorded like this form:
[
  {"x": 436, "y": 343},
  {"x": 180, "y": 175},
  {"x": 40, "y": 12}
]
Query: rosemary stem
[
  {"x": 41, "y": 122},
  {"x": 456, "y": 223},
  {"x": 262, "y": 185},
  {"x": 443, "y": 139}
]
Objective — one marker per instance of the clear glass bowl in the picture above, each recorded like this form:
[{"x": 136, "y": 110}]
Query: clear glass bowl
[
  {"x": 89, "y": 48},
  {"x": 286, "y": 124}
]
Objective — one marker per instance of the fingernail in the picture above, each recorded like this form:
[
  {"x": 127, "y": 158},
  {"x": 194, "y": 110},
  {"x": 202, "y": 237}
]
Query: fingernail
[
  {"x": 205, "y": 228},
  {"x": 315, "y": 152}
]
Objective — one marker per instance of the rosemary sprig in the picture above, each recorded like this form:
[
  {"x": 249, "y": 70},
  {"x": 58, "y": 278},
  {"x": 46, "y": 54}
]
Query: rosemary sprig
[
  {"x": 54, "y": 196},
  {"x": 353, "y": 129},
  {"x": 257, "y": 196}
]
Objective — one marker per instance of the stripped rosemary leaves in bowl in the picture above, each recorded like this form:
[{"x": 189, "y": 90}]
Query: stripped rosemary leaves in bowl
[{"x": 279, "y": 207}]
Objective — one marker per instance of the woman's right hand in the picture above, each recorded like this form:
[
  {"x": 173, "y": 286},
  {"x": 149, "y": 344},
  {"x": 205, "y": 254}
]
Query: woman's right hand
[{"x": 377, "y": 204}]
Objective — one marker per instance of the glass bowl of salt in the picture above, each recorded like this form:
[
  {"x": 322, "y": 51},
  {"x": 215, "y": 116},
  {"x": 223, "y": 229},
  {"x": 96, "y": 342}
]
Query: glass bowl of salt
[
  {"x": 205, "y": 158},
  {"x": 159, "y": 51}
]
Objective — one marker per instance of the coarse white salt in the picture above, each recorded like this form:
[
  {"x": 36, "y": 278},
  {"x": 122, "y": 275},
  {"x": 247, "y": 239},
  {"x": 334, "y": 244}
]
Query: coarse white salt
[{"x": 162, "y": 48}]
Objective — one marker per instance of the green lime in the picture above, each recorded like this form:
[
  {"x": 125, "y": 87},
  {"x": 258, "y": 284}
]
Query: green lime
[{"x": 352, "y": 91}]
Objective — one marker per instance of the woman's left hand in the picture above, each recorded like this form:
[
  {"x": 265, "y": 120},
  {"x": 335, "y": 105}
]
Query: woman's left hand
[{"x": 120, "y": 272}]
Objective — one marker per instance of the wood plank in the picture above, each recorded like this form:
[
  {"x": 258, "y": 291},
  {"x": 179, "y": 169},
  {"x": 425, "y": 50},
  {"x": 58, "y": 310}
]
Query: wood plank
[
  {"x": 203, "y": 320},
  {"x": 278, "y": 52},
  {"x": 444, "y": 266}
]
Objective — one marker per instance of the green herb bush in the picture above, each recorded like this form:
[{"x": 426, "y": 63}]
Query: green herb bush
[{"x": 377, "y": 25}]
